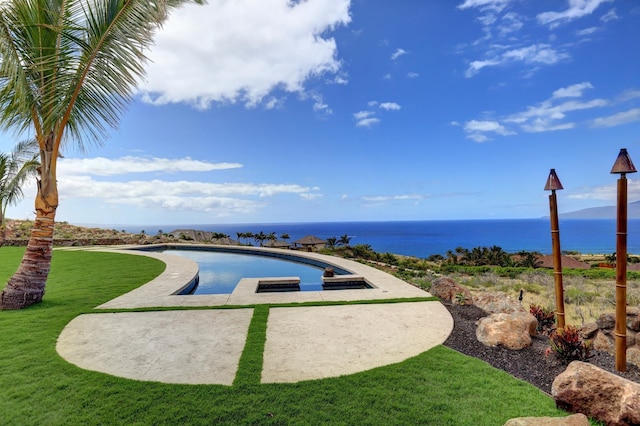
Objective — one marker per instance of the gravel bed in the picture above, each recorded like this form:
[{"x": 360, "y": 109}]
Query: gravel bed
[{"x": 529, "y": 364}]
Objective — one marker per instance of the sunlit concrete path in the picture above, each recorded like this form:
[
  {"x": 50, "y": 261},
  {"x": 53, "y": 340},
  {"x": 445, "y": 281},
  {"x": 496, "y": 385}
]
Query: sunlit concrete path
[{"x": 204, "y": 346}]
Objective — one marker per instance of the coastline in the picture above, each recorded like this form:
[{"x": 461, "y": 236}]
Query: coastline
[{"x": 405, "y": 238}]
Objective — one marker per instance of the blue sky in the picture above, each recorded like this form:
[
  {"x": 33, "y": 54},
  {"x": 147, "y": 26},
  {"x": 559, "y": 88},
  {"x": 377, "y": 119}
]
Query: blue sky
[{"x": 260, "y": 111}]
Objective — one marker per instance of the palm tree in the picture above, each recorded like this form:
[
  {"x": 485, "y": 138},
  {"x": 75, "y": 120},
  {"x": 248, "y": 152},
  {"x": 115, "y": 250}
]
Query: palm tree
[
  {"x": 15, "y": 169},
  {"x": 272, "y": 237},
  {"x": 68, "y": 69},
  {"x": 332, "y": 242},
  {"x": 344, "y": 240},
  {"x": 260, "y": 238}
]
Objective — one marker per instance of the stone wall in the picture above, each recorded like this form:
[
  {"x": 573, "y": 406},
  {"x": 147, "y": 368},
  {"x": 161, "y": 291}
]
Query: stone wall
[{"x": 601, "y": 334}]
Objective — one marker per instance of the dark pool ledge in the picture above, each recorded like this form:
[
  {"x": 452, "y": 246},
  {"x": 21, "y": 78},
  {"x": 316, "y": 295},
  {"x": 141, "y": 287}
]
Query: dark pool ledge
[{"x": 180, "y": 273}]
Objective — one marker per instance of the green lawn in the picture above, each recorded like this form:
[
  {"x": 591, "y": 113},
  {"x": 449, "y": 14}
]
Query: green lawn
[{"x": 438, "y": 387}]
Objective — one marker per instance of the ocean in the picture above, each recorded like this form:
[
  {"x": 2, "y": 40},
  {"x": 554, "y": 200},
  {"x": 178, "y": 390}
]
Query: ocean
[{"x": 425, "y": 238}]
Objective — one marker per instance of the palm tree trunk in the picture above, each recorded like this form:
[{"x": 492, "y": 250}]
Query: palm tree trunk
[
  {"x": 3, "y": 232},
  {"x": 26, "y": 286}
]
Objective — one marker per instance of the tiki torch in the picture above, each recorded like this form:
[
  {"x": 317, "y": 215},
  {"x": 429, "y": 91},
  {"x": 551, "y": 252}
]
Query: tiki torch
[
  {"x": 553, "y": 183},
  {"x": 622, "y": 166}
]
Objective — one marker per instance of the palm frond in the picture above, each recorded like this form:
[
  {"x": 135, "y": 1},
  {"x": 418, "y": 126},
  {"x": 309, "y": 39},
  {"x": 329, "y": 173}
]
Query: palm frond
[
  {"x": 15, "y": 168},
  {"x": 69, "y": 67}
]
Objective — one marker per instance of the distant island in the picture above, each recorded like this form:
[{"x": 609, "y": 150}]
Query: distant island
[{"x": 605, "y": 212}]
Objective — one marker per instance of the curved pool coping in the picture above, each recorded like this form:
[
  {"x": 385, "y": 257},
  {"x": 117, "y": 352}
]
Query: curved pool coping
[{"x": 180, "y": 273}]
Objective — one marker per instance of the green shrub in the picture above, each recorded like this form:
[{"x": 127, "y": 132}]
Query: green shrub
[
  {"x": 575, "y": 295},
  {"x": 568, "y": 345},
  {"x": 532, "y": 288}
]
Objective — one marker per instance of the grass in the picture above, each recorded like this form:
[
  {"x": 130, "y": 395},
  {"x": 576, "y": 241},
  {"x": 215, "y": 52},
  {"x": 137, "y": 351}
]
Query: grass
[{"x": 37, "y": 386}]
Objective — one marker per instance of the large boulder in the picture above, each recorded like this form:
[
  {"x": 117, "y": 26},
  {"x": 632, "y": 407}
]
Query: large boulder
[
  {"x": 585, "y": 388},
  {"x": 606, "y": 322},
  {"x": 633, "y": 318},
  {"x": 633, "y": 355},
  {"x": 447, "y": 289},
  {"x": 589, "y": 330},
  {"x": 512, "y": 331},
  {"x": 572, "y": 420},
  {"x": 495, "y": 303}
]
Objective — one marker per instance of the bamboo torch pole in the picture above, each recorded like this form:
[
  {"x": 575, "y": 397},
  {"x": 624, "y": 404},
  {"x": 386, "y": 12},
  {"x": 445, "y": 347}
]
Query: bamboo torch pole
[
  {"x": 622, "y": 166},
  {"x": 553, "y": 183}
]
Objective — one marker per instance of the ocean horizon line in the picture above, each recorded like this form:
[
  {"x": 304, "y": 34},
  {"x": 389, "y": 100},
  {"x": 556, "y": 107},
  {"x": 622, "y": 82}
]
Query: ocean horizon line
[
  {"x": 209, "y": 224},
  {"x": 423, "y": 238}
]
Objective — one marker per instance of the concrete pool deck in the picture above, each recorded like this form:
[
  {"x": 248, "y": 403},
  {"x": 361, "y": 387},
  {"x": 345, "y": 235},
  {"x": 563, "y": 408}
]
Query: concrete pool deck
[{"x": 302, "y": 343}]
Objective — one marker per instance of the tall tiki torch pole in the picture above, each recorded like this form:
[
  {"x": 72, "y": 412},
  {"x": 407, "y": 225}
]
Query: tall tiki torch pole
[
  {"x": 622, "y": 166},
  {"x": 553, "y": 183}
]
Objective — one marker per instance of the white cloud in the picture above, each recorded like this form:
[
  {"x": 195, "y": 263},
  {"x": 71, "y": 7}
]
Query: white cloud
[
  {"x": 537, "y": 53},
  {"x": 367, "y": 122},
  {"x": 548, "y": 111},
  {"x": 367, "y": 118},
  {"x": 477, "y": 129},
  {"x": 399, "y": 52},
  {"x": 587, "y": 31},
  {"x": 244, "y": 51},
  {"x": 100, "y": 166},
  {"x": 610, "y": 16},
  {"x": 412, "y": 74},
  {"x": 573, "y": 91},
  {"x": 549, "y": 115},
  {"x": 628, "y": 95},
  {"x": 476, "y": 66},
  {"x": 389, "y": 106},
  {"x": 577, "y": 9},
  {"x": 341, "y": 80},
  {"x": 383, "y": 198},
  {"x": 486, "y": 126},
  {"x": 545, "y": 125},
  {"x": 185, "y": 195},
  {"x": 608, "y": 192},
  {"x": 624, "y": 117},
  {"x": 319, "y": 105},
  {"x": 530, "y": 55},
  {"x": 363, "y": 114},
  {"x": 510, "y": 23},
  {"x": 495, "y": 5},
  {"x": 221, "y": 199}
]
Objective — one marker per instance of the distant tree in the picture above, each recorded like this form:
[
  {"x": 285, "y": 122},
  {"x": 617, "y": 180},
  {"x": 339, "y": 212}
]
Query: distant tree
[
  {"x": 260, "y": 238},
  {"x": 611, "y": 258},
  {"x": 15, "y": 168},
  {"x": 332, "y": 242},
  {"x": 285, "y": 237},
  {"x": 389, "y": 259},
  {"x": 344, "y": 240},
  {"x": 498, "y": 257},
  {"x": 363, "y": 251},
  {"x": 529, "y": 259}
]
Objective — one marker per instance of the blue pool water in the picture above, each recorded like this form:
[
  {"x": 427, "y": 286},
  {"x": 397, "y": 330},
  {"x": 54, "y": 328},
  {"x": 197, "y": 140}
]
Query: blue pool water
[{"x": 220, "y": 272}]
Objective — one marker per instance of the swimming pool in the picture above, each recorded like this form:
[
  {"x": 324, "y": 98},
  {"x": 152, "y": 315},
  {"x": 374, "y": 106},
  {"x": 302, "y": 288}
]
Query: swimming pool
[{"x": 220, "y": 271}]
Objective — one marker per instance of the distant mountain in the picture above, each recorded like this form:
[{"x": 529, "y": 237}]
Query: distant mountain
[{"x": 606, "y": 212}]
